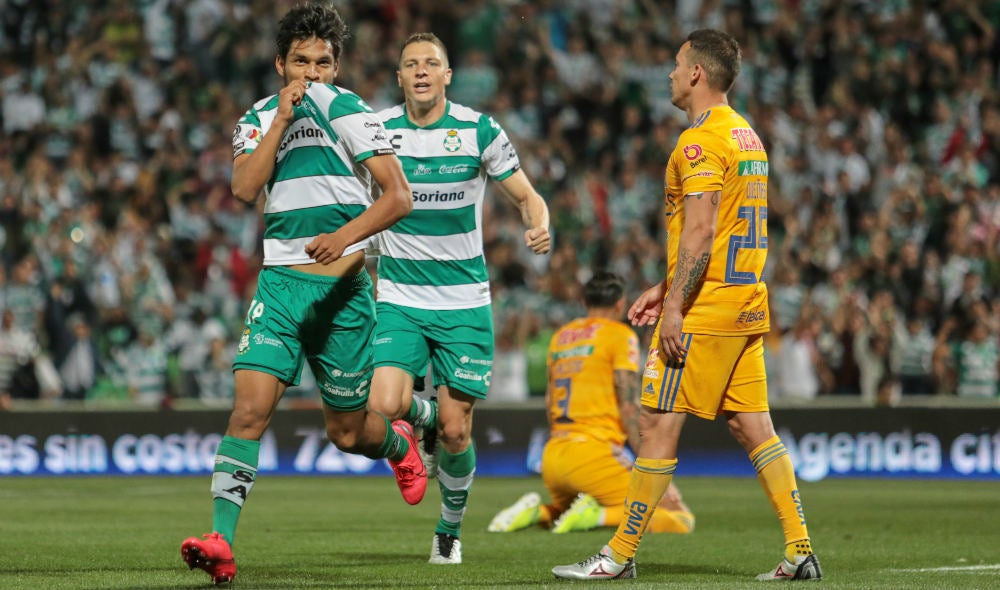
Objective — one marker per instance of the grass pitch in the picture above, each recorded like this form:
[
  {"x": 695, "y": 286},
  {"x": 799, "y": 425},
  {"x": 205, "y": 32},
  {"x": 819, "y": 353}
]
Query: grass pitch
[{"x": 324, "y": 532}]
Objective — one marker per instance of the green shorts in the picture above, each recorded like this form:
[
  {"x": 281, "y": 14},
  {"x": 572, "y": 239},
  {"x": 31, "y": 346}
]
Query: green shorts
[
  {"x": 328, "y": 321},
  {"x": 458, "y": 343}
]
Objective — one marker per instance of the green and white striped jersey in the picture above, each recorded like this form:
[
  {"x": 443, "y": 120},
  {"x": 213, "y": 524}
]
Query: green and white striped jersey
[
  {"x": 977, "y": 368},
  {"x": 318, "y": 184},
  {"x": 433, "y": 258}
]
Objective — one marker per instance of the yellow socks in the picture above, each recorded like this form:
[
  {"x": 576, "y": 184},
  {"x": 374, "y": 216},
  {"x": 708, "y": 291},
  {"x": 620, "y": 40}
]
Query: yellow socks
[
  {"x": 777, "y": 477},
  {"x": 662, "y": 521},
  {"x": 671, "y": 521},
  {"x": 800, "y": 548},
  {"x": 545, "y": 515},
  {"x": 649, "y": 481}
]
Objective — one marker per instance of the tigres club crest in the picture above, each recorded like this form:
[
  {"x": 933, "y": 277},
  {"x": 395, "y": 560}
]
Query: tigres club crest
[{"x": 452, "y": 142}]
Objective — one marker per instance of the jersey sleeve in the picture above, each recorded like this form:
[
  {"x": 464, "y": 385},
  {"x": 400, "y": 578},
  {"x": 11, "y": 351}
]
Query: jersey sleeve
[
  {"x": 701, "y": 161},
  {"x": 626, "y": 352},
  {"x": 247, "y": 134},
  {"x": 550, "y": 350},
  {"x": 498, "y": 154},
  {"x": 359, "y": 128}
]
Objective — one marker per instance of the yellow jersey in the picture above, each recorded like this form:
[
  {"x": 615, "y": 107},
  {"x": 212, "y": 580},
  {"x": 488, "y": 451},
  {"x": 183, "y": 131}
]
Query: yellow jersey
[
  {"x": 582, "y": 359},
  {"x": 720, "y": 152}
]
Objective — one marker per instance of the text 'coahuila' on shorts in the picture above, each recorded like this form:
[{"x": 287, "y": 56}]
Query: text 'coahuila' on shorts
[
  {"x": 719, "y": 374},
  {"x": 329, "y": 321},
  {"x": 458, "y": 344}
]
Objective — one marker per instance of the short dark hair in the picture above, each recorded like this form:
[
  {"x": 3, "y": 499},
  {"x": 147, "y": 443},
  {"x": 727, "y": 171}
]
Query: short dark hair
[
  {"x": 604, "y": 289},
  {"x": 719, "y": 54},
  {"x": 315, "y": 19},
  {"x": 425, "y": 38}
]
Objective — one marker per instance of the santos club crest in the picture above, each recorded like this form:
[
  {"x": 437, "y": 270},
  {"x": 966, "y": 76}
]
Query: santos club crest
[{"x": 452, "y": 142}]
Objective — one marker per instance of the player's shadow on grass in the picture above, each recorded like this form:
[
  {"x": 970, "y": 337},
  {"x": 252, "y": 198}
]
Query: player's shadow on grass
[
  {"x": 667, "y": 569},
  {"x": 383, "y": 558}
]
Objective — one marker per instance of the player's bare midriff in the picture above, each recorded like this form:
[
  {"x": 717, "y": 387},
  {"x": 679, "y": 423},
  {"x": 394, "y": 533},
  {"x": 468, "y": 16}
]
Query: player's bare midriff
[{"x": 346, "y": 266}]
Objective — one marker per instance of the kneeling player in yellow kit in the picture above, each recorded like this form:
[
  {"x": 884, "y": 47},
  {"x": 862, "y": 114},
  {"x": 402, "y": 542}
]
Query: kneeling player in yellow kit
[{"x": 593, "y": 410}]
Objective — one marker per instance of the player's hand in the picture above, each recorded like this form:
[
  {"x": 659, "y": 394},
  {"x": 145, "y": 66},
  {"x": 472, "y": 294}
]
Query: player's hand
[
  {"x": 538, "y": 240},
  {"x": 326, "y": 248},
  {"x": 673, "y": 495},
  {"x": 646, "y": 309},
  {"x": 289, "y": 97},
  {"x": 671, "y": 346}
]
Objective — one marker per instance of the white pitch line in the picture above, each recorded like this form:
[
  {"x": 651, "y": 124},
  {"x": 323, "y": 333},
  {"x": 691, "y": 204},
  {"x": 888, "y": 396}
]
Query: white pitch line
[{"x": 958, "y": 568}]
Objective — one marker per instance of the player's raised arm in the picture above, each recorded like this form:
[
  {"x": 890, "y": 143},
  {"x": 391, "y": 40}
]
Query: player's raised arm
[
  {"x": 534, "y": 212},
  {"x": 253, "y": 165}
]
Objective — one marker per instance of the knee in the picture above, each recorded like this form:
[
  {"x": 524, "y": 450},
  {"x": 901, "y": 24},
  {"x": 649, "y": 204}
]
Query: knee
[
  {"x": 742, "y": 435},
  {"x": 389, "y": 407},
  {"x": 751, "y": 429},
  {"x": 248, "y": 423},
  {"x": 454, "y": 435},
  {"x": 345, "y": 439}
]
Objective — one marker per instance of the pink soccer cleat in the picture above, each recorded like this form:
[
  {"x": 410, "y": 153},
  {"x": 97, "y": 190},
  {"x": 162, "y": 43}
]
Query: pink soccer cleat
[
  {"x": 212, "y": 554},
  {"x": 411, "y": 475}
]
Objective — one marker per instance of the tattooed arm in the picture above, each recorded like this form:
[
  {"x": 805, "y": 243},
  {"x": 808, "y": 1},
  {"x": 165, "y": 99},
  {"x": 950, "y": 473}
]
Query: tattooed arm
[
  {"x": 693, "y": 251},
  {"x": 627, "y": 392}
]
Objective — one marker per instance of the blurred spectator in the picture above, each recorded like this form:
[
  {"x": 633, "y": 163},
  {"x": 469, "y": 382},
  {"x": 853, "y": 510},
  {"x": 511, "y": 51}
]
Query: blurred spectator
[
  {"x": 964, "y": 306},
  {"x": 473, "y": 81},
  {"x": 913, "y": 355},
  {"x": 799, "y": 368},
  {"x": 24, "y": 297},
  {"x": 26, "y": 371},
  {"x": 970, "y": 364},
  {"x": 23, "y": 109},
  {"x": 889, "y": 393},
  {"x": 198, "y": 341},
  {"x": 509, "y": 380},
  {"x": 144, "y": 366},
  {"x": 80, "y": 366}
]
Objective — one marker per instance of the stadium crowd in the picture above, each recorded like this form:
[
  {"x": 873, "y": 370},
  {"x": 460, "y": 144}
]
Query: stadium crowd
[{"x": 127, "y": 264}]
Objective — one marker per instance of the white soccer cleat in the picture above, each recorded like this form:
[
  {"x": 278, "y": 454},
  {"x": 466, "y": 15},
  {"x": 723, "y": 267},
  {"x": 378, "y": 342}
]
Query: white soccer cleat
[
  {"x": 445, "y": 550},
  {"x": 804, "y": 568},
  {"x": 428, "y": 448},
  {"x": 596, "y": 567},
  {"x": 427, "y": 441},
  {"x": 519, "y": 515}
]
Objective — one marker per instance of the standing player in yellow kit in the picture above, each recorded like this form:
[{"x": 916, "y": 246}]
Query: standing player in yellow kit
[
  {"x": 592, "y": 401},
  {"x": 706, "y": 357}
]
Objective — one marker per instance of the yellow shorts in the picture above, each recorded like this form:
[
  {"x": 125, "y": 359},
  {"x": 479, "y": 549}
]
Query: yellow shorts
[
  {"x": 719, "y": 374},
  {"x": 573, "y": 463}
]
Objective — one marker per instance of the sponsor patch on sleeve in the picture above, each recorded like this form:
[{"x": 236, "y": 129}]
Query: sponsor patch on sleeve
[
  {"x": 245, "y": 137},
  {"x": 701, "y": 173},
  {"x": 692, "y": 151}
]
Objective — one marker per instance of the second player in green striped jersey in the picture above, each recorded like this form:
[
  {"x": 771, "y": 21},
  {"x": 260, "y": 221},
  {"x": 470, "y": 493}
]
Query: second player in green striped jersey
[
  {"x": 433, "y": 258},
  {"x": 433, "y": 296}
]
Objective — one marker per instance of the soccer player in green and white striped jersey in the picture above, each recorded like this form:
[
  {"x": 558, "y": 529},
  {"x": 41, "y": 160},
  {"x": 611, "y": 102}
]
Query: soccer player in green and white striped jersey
[
  {"x": 320, "y": 155},
  {"x": 433, "y": 288}
]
